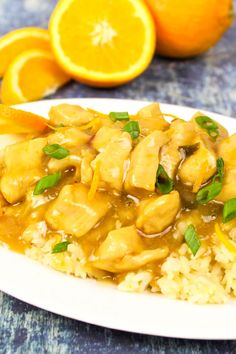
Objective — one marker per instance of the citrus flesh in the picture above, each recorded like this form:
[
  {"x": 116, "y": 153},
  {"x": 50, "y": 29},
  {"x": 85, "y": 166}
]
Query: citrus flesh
[
  {"x": 15, "y": 42},
  {"x": 32, "y": 75},
  {"x": 103, "y": 42}
]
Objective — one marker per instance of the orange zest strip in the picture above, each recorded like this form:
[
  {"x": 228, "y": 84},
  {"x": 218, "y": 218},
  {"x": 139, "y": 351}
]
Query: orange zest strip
[
  {"x": 169, "y": 115},
  {"x": 18, "y": 121},
  {"x": 94, "y": 124},
  {"x": 95, "y": 182},
  {"x": 200, "y": 178},
  {"x": 224, "y": 239}
]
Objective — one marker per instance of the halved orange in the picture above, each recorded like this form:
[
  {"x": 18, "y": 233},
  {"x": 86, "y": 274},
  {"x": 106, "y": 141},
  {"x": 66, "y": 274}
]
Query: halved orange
[
  {"x": 102, "y": 42},
  {"x": 15, "y": 121},
  {"x": 15, "y": 42},
  {"x": 31, "y": 75}
]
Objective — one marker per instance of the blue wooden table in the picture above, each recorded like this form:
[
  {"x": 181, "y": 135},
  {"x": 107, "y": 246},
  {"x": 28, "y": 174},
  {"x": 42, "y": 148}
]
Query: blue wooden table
[{"x": 208, "y": 82}]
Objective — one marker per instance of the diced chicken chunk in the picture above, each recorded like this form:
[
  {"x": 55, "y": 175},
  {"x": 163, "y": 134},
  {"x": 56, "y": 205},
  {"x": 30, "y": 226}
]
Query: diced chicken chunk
[
  {"x": 69, "y": 115},
  {"x": 150, "y": 118},
  {"x": 103, "y": 137},
  {"x": 73, "y": 213},
  {"x": 113, "y": 161},
  {"x": 227, "y": 150},
  {"x": 119, "y": 243},
  {"x": 157, "y": 213},
  {"x": 22, "y": 168},
  {"x": 69, "y": 137},
  {"x": 145, "y": 161},
  {"x": 55, "y": 165},
  {"x": 86, "y": 171},
  {"x": 123, "y": 250},
  {"x": 229, "y": 185},
  {"x": 182, "y": 134},
  {"x": 201, "y": 164},
  {"x": 223, "y": 133}
]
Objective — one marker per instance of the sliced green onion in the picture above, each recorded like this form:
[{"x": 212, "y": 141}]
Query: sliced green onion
[
  {"x": 132, "y": 128},
  {"x": 163, "y": 182},
  {"x": 47, "y": 182},
  {"x": 60, "y": 247},
  {"x": 119, "y": 116},
  {"x": 209, "y": 125},
  {"x": 57, "y": 151},
  {"x": 192, "y": 240},
  {"x": 229, "y": 210},
  {"x": 208, "y": 193},
  {"x": 220, "y": 170}
]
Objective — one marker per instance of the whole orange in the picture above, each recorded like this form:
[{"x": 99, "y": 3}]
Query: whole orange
[{"x": 186, "y": 28}]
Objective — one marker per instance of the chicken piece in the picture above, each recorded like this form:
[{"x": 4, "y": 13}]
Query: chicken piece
[
  {"x": 119, "y": 243},
  {"x": 182, "y": 134},
  {"x": 227, "y": 150},
  {"x": 55, "y": 165},
  {"x": 69, "y": 115},
  {"x": 200, "y": 165},
  {"x": 103, "y": 138},
  {"x": 113, "y": 161},
  {"x": 229, "y": 185},
  {"x": 150, "y": 118},
  {"x": 123, "y": 250},
  {"x": 86, "y": 171},
  {"x": 73, "y": 213},
  {"x": 145, "y": 161},
  {"x": 69, "y": 137},
  {"x": 23, "y": 166},
  {"x": 223, "y": 133},
  {"x": 131, "y": 262},
  {"x": 157, "y": 213}
]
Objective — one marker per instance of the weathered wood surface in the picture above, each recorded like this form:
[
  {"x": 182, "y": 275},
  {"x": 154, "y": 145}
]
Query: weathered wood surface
[{"x": 207, "y": 82}]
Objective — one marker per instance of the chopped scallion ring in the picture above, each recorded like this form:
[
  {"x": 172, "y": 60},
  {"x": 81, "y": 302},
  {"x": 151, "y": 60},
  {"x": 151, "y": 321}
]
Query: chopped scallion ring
[
  {"x": 57, "y": 151},
  {"x": 60, "y": 247},
  {"x": 132, "y": 128},
  {"x": 220, "y": 170},
  {"x": 47, "y": 182},
  {"x": 209, "y": 125},
  {"x": 119, "y": 116},
  {"x": 163, "y": 182},
  {"x": 208, "y": 193},
  {"x": 192, "y": 239},
  {"x": 229, "y": 210}
]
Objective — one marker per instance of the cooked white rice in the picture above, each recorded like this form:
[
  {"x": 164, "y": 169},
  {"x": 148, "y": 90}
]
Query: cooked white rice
[{"x": 209, "y": 277}]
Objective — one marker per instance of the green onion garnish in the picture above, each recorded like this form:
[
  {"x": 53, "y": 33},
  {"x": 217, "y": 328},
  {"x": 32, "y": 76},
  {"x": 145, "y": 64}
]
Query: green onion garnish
[
  {"x": 229, "y": 210},
  {"x": 192, "y": 240},
  {"x": 132, "y": 128},
  {"x": 47, "y": 182},
  {"x": 163, "y": 182},
  {"x": 220, "y": 170},
  {"x": 57, "y": 151},
  {"x": 209, "y": 125},
  {"x": 209, "y": 192},
  {"x": 119, "y": 116},
  {"x": 60, "y": 247}
]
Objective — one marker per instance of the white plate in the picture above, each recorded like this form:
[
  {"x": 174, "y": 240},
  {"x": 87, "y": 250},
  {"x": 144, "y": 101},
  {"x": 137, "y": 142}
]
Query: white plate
[{"x": 104, "y": 305}]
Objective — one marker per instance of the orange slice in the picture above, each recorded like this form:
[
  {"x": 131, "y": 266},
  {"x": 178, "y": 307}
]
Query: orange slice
[
  {"x": 103, "y": 43},
  {"x": 32, "y": 75},
  {"x": 15, "y": 121},
  {"x": 15, "y": 42}
]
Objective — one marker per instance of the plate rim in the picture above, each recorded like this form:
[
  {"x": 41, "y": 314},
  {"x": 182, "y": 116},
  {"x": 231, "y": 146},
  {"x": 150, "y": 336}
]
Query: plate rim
[{"x": 207, "y": 333}]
